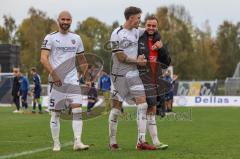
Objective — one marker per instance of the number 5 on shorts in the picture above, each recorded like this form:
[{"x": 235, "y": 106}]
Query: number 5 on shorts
[{"x": 52, "y": 102}]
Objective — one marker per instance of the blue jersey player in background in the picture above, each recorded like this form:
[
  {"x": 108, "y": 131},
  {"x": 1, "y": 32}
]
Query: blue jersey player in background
[
  {"x": 36, "y": 90},
  {"x": 169, "y": 94},
  {"x": 24, "y": 87},
  {"x": 105, "y": 87}
]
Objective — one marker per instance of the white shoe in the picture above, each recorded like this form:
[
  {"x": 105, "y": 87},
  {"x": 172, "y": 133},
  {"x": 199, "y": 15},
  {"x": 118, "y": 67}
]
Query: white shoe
[
  {"x": 16, "y": 111},
  {"x": 161, "y": 146},
  {"x": 80, "y": 146},
  {"x": 56, "y": 146},
  {"x": 47, "y": 110}
]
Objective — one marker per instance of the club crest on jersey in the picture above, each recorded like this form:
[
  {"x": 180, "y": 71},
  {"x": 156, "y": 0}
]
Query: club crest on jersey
[{"x": 73, "y": 41}]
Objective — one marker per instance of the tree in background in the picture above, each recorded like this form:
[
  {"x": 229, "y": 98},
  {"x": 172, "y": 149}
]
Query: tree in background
[
  {"x": 175, "y": 28},
  {"x": 228, "y": 43},
  {"x": 7, "y": 32},
  {"x": 195, "y": 53},
  {"x": 95, "y": 34},
  {"x": 30, "y": 35},
  {"x": 206, "y": 53}
]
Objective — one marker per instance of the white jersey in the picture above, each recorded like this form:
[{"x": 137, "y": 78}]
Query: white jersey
[
  {"x": 127, "y": 41},
  {"x": 64, "y": 47}
]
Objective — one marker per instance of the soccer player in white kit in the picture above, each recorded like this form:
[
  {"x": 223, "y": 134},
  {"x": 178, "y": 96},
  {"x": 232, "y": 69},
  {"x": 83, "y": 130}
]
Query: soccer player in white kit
[
  {"x": 57, "y": 48},
  {"x": 125, "y": 77}
]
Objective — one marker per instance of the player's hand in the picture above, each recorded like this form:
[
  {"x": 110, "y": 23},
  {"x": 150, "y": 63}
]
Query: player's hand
[
  {"x": 141, "y": 60},
  {"x": 157, "y": 45},
  {"x": 56, "y": 80},
  {"x": 175, "y": 77},
  {"x": 88, "y": 83},
  {"x": 86, "y": 76}
]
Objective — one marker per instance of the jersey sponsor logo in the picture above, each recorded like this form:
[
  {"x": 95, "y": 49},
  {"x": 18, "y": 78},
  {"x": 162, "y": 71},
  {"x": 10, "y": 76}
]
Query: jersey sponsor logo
[
  {"x": 125, "y": 43},
  {"x": 116, "y": 45},
  {"x": 66, "y": 49}
]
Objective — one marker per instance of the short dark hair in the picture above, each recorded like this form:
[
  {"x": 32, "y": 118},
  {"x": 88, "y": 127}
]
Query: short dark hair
[
  {"x": 131, "y": 11},
  {"x": 151, "y": 17},
  {"x": 34, "y": 69},
  {"x": 16, "y": 69}
]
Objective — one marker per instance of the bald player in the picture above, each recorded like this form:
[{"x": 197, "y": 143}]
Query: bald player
[{"x": 57, "y": 48}]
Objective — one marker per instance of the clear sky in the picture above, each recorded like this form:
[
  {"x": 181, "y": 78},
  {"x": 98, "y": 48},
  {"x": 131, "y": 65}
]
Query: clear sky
[{"x": 111, "y": 10}]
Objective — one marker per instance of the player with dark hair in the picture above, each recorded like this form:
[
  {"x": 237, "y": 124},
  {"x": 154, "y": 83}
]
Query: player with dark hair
[
  {"x": 15, "y": 89},
  {"x": 151, "y": 72},
  {"x": 125, "y": 77},
  {"x": 36, "y": 90}
]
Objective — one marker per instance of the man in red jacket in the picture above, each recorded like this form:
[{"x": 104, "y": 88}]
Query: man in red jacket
[{"x": 156, "y": 56}]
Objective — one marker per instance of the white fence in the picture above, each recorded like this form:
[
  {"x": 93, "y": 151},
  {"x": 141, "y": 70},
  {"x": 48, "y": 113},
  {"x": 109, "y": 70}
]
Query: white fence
[{"x": 210, "y": 101}]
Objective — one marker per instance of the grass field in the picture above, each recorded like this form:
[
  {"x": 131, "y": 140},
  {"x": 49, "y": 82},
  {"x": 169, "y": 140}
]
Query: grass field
[{"x": 196, "y": 133}]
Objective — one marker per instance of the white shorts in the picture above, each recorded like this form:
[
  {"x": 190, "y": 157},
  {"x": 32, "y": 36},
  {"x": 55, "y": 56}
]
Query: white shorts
[
  {"x": 127, "y": 87},
  {"x": 60, "y": 99}
]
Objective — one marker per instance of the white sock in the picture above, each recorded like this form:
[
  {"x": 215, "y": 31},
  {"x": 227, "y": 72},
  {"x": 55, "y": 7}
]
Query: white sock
[
  {"x": 114, "y": 113},
  {"x": 142, "y": 121},
  {"x": 152, "y": 128},
  {"x": 55, "y": 126},
  {"x": 77, "y": 123}
]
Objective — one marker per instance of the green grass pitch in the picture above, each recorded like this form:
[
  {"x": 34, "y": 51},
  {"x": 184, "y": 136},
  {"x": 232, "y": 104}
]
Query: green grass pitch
[{"x": 195, "y": 133}]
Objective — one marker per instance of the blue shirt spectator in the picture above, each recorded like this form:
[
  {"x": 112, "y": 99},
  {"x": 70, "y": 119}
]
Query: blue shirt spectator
[
  {"x": 105, "y": 82},
  {"x": 24, "y": 87},
  {"x": 24, "y": 83}
]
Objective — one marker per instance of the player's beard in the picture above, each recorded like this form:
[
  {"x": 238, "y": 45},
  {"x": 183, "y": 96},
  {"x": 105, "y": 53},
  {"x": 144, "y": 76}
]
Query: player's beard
[
  {"x": 151, "y": 32},
  {"x": 64, "y": 27}
]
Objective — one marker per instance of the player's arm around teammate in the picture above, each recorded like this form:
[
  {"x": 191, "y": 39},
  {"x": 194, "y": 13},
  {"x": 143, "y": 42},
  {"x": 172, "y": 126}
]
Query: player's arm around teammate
[
  {"x": 149, "y": 44},
  {"x": 125, "y": 77}
]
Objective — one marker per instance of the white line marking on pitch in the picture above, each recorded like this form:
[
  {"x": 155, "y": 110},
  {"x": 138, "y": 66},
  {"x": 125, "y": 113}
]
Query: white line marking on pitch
[
  {"x": 31, "y": 151},
  {"x": 36, "y": 150},
  {"x": 23, "y": 142}
]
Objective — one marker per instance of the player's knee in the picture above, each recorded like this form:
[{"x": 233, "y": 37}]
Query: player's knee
[
  {"x": 142, "y": 108},
  {"x": 116, "y": 104},
  {"x": 55, "y": 114},
  {"x": 77, "y": 113},
  {"x": 140, "y": 100}
]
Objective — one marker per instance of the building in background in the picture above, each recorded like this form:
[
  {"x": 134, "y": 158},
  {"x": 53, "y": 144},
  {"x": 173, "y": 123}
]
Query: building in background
[{"x": 9, "y": 57}]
